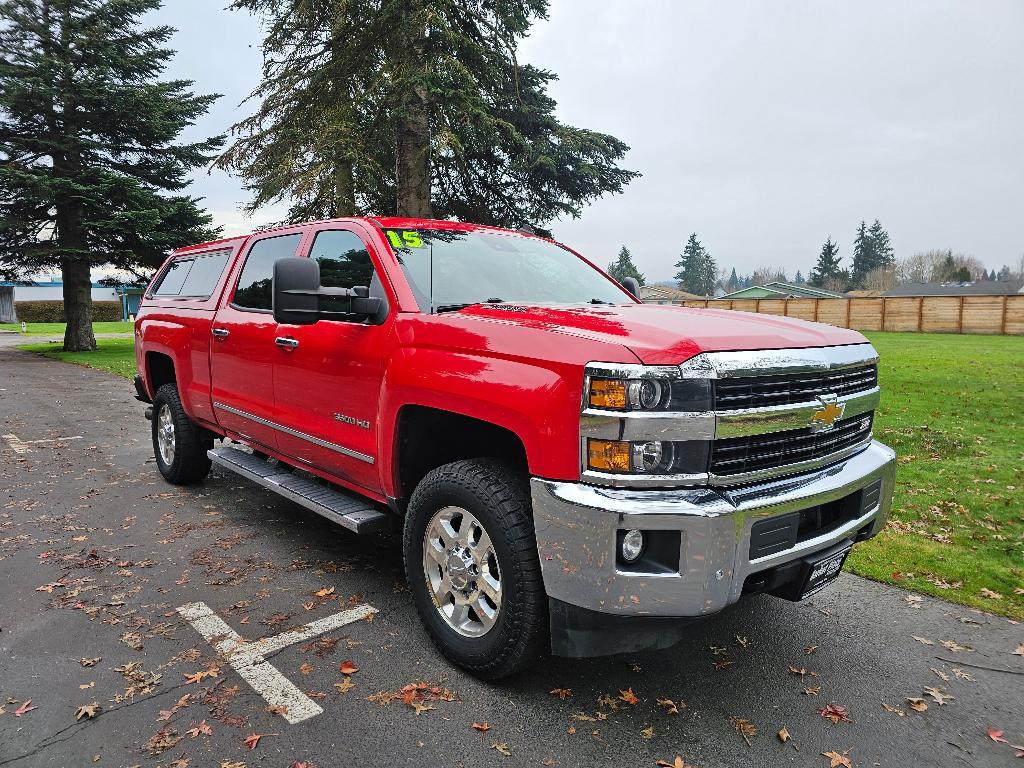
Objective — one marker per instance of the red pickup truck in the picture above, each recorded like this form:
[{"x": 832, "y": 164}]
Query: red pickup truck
[{"x": 571, "y": 470}]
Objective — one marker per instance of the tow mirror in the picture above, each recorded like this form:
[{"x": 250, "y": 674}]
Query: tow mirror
[
  {"x": 297, "y": 293},
  {"x": 631, "y": 285}
]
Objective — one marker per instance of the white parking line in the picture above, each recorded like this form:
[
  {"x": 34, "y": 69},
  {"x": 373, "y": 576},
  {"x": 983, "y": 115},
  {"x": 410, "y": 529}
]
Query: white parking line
[{"x": 248, "y": 659}]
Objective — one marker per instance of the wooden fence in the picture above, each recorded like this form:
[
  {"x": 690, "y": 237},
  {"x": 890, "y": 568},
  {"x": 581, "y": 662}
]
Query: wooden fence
[{"x": 922, "y": 314}]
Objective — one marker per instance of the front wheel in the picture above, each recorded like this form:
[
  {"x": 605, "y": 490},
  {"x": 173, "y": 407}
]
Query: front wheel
[
  {"x": 179, "y": 445},
  {"x": 472, "y": 565}
]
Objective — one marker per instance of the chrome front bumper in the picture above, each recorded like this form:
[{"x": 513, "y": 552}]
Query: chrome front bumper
[{"x": 576, "y": 528}]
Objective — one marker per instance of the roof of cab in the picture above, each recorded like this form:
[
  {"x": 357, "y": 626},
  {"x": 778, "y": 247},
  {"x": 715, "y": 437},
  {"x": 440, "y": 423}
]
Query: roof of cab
[{"x": 382, "y": 222}]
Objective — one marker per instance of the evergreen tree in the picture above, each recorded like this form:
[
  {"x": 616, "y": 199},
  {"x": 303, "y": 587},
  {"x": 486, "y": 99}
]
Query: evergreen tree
[
  {"x": 1004, "y": 274},
  {"x": 697, "y": 269},
  {"x": 413, "y": 107},
  {"x": 733, "y": 283},
  {"x": 827, "y": 267},
  {"x": 91, "y": 170},
  {"x": 799, "y": 279},
  {"x": 624, "y": 267},
  {"x": 871, "y": 250},
  {"x": 882, "y": 249}
]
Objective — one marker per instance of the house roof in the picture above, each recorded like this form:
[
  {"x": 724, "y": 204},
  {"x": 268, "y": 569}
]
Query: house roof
[
  {"x": 781, "y": 290},
  {"x": 980, "y": 288}
]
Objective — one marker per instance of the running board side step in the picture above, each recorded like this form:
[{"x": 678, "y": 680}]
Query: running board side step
[{"x": 346, "y": 509}]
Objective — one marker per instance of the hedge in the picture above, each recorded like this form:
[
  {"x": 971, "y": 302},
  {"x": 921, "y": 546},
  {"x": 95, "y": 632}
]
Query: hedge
[{"x": 53, "y": 311}]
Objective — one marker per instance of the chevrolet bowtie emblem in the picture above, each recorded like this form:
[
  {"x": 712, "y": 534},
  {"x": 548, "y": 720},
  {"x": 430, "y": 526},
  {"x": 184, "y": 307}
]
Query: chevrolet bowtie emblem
[{"x": 830, "y": 412}]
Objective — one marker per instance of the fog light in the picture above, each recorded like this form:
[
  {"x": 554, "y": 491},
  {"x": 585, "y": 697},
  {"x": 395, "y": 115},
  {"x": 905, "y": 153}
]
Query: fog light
[{"x": 632, "y": 545}]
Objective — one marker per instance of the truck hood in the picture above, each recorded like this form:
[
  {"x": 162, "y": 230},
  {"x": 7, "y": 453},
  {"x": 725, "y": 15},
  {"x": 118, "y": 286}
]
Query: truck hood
[{"x": 668, "y": 335}]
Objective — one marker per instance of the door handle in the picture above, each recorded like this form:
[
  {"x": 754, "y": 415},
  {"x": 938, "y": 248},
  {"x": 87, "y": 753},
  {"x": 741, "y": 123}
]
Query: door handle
[
  {"x": 286, "y": 342},
  {"x": 221, "y": 333}
]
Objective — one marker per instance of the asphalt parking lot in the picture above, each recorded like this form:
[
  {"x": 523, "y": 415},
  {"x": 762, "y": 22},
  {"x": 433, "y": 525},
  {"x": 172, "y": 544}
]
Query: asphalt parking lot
[{"x": 98, "y": 666}]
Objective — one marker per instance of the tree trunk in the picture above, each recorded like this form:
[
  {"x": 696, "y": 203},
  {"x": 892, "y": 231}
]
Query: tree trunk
[
  {"x": 344, "y": 188},
  {"x": 78, "y": 336},
  {"x": 412, "y": 135}
]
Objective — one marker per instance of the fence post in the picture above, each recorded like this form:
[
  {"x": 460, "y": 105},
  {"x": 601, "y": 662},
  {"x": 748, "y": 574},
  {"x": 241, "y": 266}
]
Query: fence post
[
  {"x": 849, "y": 304},
  {"x": 960, "y": 317},
  {"x": 817, "y": 303},
  {"x": 1002, "y": 324},
  {"x": 884, "y": 302},
  {"x": 920, "y": 314}
]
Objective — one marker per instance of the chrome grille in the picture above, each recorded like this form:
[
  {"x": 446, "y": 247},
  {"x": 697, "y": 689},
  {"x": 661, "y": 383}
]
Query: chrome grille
[
  {"x": 774, "y": 450},
  {"x": 791, "y": 388}
]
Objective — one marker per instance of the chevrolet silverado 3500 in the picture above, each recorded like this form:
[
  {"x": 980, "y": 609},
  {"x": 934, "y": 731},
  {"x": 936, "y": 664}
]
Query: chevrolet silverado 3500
[{"x": 571, "y": 470}]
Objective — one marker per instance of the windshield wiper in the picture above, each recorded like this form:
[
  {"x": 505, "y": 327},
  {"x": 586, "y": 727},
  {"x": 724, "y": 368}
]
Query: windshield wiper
[
  {"x": 456, "y": 307},
  {"x": 599, "y": 301}
]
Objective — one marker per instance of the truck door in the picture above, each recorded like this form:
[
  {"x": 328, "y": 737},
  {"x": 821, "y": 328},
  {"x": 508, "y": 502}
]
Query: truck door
[
  {"x": 327, "y": 381},
  {"x": 243, "y": 350}
]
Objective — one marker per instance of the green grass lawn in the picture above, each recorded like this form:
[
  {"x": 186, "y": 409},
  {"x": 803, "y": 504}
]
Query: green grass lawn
[
  {"x": 57, "y": 329},
  {"x": 951, "y": 407},
  {"x": 114, "y": 355}
]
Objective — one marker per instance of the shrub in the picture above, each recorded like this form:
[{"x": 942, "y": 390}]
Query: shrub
[{"x": 53, "y": 311}]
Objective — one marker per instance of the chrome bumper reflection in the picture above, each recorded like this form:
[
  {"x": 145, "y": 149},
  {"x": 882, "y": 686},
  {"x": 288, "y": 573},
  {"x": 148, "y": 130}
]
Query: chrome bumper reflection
[{"x": 576, "y": 526}]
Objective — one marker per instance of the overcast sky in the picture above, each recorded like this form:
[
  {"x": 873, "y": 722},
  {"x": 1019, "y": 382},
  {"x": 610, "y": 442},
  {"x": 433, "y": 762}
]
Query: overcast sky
[{"x": 763, "y": 127}]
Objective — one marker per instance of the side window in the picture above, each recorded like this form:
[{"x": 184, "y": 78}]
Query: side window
[
  {"x": 170, "y": 284},
  {"x": 344, "y": 263},
  {"x": 206, "y": 271},
  {"x": 254, "y": 289}
]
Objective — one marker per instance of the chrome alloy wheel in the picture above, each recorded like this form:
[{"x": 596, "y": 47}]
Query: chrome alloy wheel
[
  {"x": 462, "y": 571},
  {"x": 165, "y": 434}
]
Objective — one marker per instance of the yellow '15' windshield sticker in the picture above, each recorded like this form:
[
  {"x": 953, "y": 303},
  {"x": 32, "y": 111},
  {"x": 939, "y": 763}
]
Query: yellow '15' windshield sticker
[{"x": 408, "y": 238}]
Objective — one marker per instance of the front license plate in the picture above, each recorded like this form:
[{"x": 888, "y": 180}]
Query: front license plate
[{"x": 823, "y": 571}]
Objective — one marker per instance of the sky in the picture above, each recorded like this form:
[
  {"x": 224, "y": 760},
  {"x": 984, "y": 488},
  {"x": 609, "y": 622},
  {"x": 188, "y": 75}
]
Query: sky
[{"x": 762, "y": 127}]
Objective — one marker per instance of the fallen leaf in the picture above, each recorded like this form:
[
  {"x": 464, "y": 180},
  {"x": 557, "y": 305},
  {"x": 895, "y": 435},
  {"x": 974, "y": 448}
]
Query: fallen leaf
[
  {"x": 836, "y": 713},
  {"x": 677, "y": 763},
  {"x": 348, "y": 668},
  {"x": 24, "y": 708},
  {"x": 963, "y": 675},
  {"x": 837, "y": 759},
  {"x": 253, "y": 739},
  {"x": 502, "y": 747},
  {"x": 940, "y": 674},
  {"x": 324, "y": 592},
  {"x": 990, "y": 594},
  {"x": 669, "y": 706},
  {"x": 784, "y": 735},
  {"x": 1019, "y": 651},
  {"x": 893, "y": 710},
  {"x": 198, "y": 677},
  {"x": 918, "y": 705},
  {"x": 90, "y": 662},
  {"x": 648, "y": 732},
  {"x": 924, "y": 640},
  {"x": 420, "y": 707},
  {"x": 201, "y": 728},
  {"x": 629, "y": 697},
  {"x": 345, "y": 685},
  {"x": 995, "y": 735},
  {"x": 86, "y": 686},
  {"x": 232, "y": 764},
  {"x": 955, "y": 647},
  {"x": 162, "y": 740},
  {"x": 481, "y": 726},
  {"x": 811, "y": 649},
  {"x": 305, "y": 668},
  {"x": 937, "y": 694},
  {"x": 561, "y": 693},
  {"x": 745, "y": 728},
  {"x": 802, "y": 671},
  {"x": 814, "y": 690},
  {"x": 88, "y": 710}
]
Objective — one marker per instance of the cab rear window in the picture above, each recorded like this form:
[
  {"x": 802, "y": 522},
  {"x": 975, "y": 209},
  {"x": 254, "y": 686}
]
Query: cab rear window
[{"x": 192, "y": 278}]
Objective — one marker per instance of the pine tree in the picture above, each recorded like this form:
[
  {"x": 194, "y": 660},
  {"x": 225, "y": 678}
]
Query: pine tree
[
  {"x": 863, "y": 254},
  {"x": 697, "y": 269},
  {"x": 881, "y": 246},
  {"x": 623, "y": 267},
  {"x": 413, "y": 107},
  {"x": 799, "y": 279},
  {"x": 733, "y": 283},
  {"x": 90, "y": 167},
  {"x": 827, "y": 267}
]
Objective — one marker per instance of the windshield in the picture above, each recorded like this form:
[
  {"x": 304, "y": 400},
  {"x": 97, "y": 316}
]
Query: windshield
[{"x": 449, "y": 270}]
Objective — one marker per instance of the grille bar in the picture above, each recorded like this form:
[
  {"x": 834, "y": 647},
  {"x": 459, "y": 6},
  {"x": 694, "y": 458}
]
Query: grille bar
[
  {"x": 789, "y": 389},
  {"x": 739, "y": 455}
]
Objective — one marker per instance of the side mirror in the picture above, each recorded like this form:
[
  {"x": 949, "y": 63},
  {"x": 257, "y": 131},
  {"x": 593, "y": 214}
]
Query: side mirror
[
  {"x": 296, "y": 290},
  {"x": 297, "y": 293},
  {"x": 631, "y": 285}
]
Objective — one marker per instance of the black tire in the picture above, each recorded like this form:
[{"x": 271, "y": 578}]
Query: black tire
[
  {"x": 189, "y": 462},
  {"x": 499, "y": 499}
]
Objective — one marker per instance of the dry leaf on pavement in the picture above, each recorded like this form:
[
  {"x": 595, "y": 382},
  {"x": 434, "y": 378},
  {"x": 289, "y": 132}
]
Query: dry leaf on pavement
[
  {"x": 502, "y": 747},
  {"x": 918, "y": 705},
  {"x": 629, "y": 697},
  {"x": 562, "y": 693},
  {"x": 836, "y": 713},
  {"x": 202, "y": 728},
  {"x": 745, "y": 728},
  {"x": 345, "y": 685},
  {"x": 88, "y": 710},
  {"x": 669, "y": 706},
  {"x": 937, "y": 694},
  {"x": 348, "y": 668},
  {"x": 837, "y": 759},
  {"x": 25, "y": 707},
  {"x": 481, "y": 726},
  {"x": 677, "y": 763},
  {"x": 995, "y": 735}
]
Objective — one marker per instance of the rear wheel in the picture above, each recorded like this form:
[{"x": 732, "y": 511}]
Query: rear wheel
[
  {"x": 472, "y": 565},
  {"x": 179, "y": 445}
]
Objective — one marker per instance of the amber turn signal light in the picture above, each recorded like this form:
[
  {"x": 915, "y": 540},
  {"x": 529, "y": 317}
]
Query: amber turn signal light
[
  {"x": 608, "y": 393},
  {"x": 608, "y": 455}
]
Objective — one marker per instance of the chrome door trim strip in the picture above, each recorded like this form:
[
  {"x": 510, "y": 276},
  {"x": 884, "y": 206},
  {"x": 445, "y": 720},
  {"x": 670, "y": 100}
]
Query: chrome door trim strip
[{"x": 295, "y": 433}]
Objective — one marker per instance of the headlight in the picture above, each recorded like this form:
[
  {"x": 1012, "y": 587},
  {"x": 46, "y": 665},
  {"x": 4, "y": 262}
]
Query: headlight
[
  {"x": 647, "y": 457},
  {"x": 649, "y": 394}
]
